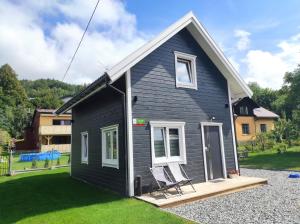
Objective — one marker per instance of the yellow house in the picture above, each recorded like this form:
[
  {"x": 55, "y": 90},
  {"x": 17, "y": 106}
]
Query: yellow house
[
  {"x": 47, "y": 131},
  {"x": 250, "y": 119}
]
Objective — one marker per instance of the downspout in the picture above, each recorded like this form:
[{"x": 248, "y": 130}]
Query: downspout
[{"x": 125, "y": 127}]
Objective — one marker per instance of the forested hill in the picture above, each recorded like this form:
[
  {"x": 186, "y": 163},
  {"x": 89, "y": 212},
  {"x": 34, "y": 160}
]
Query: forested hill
[
  {"x": 48, "y": 93},
  {"x": 19, "y": 98}
]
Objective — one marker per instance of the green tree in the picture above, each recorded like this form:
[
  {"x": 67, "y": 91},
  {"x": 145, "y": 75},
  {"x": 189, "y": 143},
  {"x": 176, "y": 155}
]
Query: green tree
[{"x": 13, "y": 102}]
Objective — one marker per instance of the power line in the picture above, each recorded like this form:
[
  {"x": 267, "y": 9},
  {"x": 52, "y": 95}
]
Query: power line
[{"x": 87, "y": 26}]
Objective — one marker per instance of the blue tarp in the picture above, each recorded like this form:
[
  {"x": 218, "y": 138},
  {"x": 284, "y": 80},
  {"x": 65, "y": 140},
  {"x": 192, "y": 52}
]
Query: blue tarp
[
  {"x": 294, "y": 175},
  {"x": 50, "y": 155}
]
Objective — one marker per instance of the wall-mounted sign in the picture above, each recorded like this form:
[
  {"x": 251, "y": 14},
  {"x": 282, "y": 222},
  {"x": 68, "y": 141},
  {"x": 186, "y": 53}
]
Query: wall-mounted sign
[{"x": 138, "y": 122}]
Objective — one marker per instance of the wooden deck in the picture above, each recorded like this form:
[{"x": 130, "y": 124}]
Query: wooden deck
[{"x": 203, "y": 190}]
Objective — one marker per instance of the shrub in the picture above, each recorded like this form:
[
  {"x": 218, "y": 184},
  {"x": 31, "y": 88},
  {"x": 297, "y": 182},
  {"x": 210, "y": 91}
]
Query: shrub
[
  {"x": 69, "y": 160},
  {"x": 34, "y": 164},
  {"x": 58, "y": 162},
  {"x": 46, "y": 165},
  {"x": 280, "y": 147}
]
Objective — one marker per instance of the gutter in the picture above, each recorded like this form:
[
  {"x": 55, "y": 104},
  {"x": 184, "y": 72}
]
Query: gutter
[{"x": 125, "y": 131}]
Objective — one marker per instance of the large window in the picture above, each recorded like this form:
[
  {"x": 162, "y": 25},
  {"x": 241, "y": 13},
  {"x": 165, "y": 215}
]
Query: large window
[
  {"x": 245, "y": 129},
  {"x": 110, "y": 146},
  {"x": 84, "y": 147},
  {"x": 167, "y": 142},
  {"x": 263, "y": 128},
  {"x": 185, "y": 66}
]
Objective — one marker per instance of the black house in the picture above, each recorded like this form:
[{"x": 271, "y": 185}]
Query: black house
[{"x": 169, "y": 101}]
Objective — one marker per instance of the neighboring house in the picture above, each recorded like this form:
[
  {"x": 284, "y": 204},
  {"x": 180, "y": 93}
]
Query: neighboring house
[
  {"x": 169, "y": 101},
  {"x": 47, "y": 131},
  {"x": 251, "y": 119}
]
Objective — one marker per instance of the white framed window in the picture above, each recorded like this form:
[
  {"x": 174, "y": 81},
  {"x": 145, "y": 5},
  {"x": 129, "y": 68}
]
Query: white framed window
[
  {"x": 167, "y": 142},
  {"x": 110, "y": 146},
  {"x": 185, "y": 68},
  {"x": 84, "y": 147}
]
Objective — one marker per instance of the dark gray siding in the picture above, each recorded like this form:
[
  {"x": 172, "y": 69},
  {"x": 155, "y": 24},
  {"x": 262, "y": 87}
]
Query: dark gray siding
[
  {"x": 153, "y": 82},
  {"x": 101, "y": 110}
]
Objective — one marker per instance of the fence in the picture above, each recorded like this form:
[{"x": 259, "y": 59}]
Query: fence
[
  {"x": 14, "y": 162},
  {"x": 4, "y": 165}
]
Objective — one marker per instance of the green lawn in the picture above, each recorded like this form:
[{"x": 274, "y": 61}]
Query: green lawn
[
  {"x": 290, "y": 160},
  {"x": 53, "y": 197},
  {"x": 18, "y": 165}
]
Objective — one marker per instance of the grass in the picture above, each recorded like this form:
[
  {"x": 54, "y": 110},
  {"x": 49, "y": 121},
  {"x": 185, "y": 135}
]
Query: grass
[
  {"x": 18, "y": 165},
  {"x": 290, "y": 160},
  {"x": 52, "y": 196}
]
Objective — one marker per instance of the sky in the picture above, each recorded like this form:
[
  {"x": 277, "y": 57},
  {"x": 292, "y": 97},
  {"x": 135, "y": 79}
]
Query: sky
[{"x": 261, "y": 38}]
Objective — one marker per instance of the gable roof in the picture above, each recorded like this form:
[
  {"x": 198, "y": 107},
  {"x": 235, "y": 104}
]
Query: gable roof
[
  {"x": 237, "y": 85},
  {"x": 264, "y": 113}
]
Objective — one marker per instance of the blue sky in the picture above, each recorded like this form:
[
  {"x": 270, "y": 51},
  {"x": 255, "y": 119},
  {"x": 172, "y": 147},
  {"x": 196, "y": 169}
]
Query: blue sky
[{"x": 261, "y": 38}]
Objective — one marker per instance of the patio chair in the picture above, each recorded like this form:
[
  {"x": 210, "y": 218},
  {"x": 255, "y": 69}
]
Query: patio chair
[
  {"x": 180, "y": 175},
  {"x": 164, "y": 181}
]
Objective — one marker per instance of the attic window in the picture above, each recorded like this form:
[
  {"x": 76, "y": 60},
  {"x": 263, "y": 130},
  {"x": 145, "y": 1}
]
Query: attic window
[
  {"x": 244, "y": 110},
  {"x": 185, "y": 66}
]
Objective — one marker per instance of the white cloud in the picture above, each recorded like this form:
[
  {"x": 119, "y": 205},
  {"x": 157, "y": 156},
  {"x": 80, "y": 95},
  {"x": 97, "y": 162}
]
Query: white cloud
[
  {"x": 38, "y": 46},
  {"x": 244, "y": 41},
  {"x": 268, "y": 68}
]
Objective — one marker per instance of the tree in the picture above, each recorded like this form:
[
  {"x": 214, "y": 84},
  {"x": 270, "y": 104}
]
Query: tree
[{"x": 13, "y": 102}]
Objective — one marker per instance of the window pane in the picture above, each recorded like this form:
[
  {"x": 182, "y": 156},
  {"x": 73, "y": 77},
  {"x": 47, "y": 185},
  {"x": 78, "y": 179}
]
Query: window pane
[
  {"x": 245, "y": 129},
  {"x": 174, "y": 142},
  {"x": 108, "y": 145},
  {"x": 115, "y": 145},
  {"x": 159, "y": 142},
  {"x": 85, "y": 147},
  {"x": 263, "y": 127},
  {"x": 183, "y": 73}
]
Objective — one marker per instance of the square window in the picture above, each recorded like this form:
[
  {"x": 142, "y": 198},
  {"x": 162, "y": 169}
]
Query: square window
[
  {"x": 245, "y": 129},
  {"x": 185, "y": 67},
  {"x": 84, "y": 147},
  {"x": 110, "y": 146},
  {"x": 263, "y": 128},
  {"x": 167, "y": 142},
  {"x": 244, "y": 110}
]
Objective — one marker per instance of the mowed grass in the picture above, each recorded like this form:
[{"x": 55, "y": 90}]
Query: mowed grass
[
  {"x": 19, "y": 165},
  {"x": 52, "y": 196},
  {"x": 290, "y": 160}
]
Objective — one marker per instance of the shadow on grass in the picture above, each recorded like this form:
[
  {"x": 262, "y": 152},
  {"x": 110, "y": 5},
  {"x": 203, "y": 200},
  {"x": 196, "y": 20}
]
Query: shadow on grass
[
  {"x": 32, "y": 195},
  {"x": 275, "y": 161}
]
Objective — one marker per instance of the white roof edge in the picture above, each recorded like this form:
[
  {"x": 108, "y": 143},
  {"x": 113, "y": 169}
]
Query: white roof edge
[
  {"x": 224, "y": 59},
  {"x": 120, "y": 68}
]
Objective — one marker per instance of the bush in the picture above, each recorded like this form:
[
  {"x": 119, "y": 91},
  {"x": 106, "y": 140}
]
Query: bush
[
  {"x": 46, "y": 165},
  {"x": 280, "y": 147},
  {"x": 34, "y": 164},
  {"x": 69, "y": 160},
  {"x": 58, "y": 162}
]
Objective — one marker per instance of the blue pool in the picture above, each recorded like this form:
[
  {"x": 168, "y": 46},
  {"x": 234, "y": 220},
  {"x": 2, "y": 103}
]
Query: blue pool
[{"x": 50, "y": 155}]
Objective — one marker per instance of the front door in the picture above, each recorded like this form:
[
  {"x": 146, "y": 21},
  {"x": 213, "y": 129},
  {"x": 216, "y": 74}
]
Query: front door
[{"x": 213, "y": 151}]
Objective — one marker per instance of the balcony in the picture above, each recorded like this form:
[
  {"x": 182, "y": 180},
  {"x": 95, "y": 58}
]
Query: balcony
[{"x": 55, "y": 130}]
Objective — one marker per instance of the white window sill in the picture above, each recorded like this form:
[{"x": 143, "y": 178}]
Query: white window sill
[
  {"x": 186, "y": 86},
  {"x": 165, "y": 163},
  {"x": 84, "y": 162}
]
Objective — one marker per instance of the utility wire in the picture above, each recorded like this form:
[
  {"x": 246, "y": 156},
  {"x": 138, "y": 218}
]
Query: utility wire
[{"x": 87, "y": 26}]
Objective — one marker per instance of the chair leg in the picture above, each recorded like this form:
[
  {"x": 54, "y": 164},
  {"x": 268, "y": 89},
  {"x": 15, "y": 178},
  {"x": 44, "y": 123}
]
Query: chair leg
[{"x": 190, "y": 182}]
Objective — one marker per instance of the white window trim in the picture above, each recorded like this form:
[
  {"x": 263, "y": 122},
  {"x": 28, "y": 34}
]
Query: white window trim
[
  {"x": 182, "y": 147},
  {"x": 84, "y": 160},
  {"x": 113, "y": 163},
  {"x": 192, "y": 59}
]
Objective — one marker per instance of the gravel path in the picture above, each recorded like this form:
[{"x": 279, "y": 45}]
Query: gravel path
[{"x": 277, "y": 202}]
